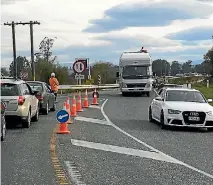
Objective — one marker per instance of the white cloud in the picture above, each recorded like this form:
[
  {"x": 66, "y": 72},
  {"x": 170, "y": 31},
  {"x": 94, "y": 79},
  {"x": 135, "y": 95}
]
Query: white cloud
[{"x": 66, "y": 19}]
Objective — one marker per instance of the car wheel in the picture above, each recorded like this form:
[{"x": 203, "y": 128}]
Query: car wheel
[
  {"x": 27, "y": 123},
  {"x": 54, "y": 107},
  {"x": 150, "y": 115},
  {"x": 36, "y": 117},
  {"x": 3, "y": 132},
  {"x": 162, "y": 124},
  {"x": 46, "y": 110}
]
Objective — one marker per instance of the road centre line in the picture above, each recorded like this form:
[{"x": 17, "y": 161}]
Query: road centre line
[
  {"x": 150, "y": 147},
  {"x": 92, "y": 120},
  {"x": 123, "y": 150}
]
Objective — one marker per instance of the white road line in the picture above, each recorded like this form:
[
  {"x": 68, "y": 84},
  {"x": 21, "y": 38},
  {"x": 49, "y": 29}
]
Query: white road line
[
  {"x": 92, "y": 120},
  {"x": 123, "y": 150},
  {"x": 74, "y": 173},
  {"x": 150, "y": 147},
  {"x": 94, "y": 106}
]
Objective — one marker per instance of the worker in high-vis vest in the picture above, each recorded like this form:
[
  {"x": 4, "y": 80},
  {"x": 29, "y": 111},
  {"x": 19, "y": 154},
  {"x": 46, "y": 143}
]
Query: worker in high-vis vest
[{"x": 54, "y": 84}]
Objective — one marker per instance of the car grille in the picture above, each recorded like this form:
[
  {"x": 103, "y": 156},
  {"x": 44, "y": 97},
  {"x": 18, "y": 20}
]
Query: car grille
[
  {"x": 187, "y": 114},
  {"x": 136, "y": 85}
]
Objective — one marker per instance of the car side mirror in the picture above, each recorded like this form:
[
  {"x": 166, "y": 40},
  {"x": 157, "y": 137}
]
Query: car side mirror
[
  {"x": 159, "y": 98},
  {"x": 209, "y": 100},
  {"x": 117, "y": 74}
]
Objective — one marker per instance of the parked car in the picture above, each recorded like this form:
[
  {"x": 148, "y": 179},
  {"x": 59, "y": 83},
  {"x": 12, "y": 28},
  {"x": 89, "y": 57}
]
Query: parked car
[
  {"x": 45, "y": 96},
  {"x": 182, "y": 107},
  {"x": 22, "y": 104},
  {"x": 3, "y": 122}
]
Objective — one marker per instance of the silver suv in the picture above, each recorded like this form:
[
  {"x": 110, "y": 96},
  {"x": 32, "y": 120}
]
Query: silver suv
[{"x": 22, "y": 104}]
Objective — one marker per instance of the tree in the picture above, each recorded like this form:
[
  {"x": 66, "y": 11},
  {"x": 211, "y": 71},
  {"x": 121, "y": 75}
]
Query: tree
[
  {"x": 208, "y": 57},
  {"x": 161, "y": 67},
  {"x": 23, "y": 65},
  {"x": 175, "y": 68},
  {"x": 45, "y": 50},
  {"x": 187, "y": 67},
  {"x": 4, "y": 72},
  {"x": 107, "y": 71}
]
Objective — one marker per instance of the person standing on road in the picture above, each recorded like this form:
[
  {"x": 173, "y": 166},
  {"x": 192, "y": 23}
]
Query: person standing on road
[{"x": 54, "y": 84}]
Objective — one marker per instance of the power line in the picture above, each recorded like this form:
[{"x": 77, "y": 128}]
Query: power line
[{"x": 13, "y": 24}]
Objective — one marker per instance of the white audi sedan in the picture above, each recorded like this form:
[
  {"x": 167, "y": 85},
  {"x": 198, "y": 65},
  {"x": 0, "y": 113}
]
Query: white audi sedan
[{"x": 182, "y": 107}]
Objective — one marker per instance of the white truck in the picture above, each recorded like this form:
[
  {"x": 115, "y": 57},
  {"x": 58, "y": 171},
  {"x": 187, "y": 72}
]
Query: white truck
[{"x": 135, "y": 72}]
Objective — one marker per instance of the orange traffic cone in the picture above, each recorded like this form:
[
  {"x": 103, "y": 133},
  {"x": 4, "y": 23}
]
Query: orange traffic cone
[
  {"x": 79, "y": 106},
  {"x": 95, "y": 99},
  {"x": 73, "y": 109},
  {"x": 86, "y": 103},
  {"x": 63, "y": 127},
  {"x": 67, "y": 108}
]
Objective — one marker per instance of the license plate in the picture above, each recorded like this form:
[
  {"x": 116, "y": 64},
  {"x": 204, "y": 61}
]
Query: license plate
[{"x": 194, "y": 119}]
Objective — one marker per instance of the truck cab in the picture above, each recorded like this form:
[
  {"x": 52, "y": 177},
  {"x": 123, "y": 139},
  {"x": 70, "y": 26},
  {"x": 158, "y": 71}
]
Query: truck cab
[{"x": 135, "y": 73}]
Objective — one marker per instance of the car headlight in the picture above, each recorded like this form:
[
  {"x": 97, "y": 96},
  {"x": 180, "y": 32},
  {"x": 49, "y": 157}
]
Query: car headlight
[
  {"x": 148, "y": 85},
  {"x": 171, "y": 111},
  {"x": 124, "y": 85},
  {"x": 210, "y": 113}
]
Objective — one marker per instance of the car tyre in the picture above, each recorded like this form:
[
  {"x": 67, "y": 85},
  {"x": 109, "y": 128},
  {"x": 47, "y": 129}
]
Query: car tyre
[
  {"x": 36, "y": 117},
  {"x": 162, "y": 124},
  {"x": 27, "y": 123},
  {"x": 54, "y": 107},
  {"x": 150, "y": 115},
  {"x": 46, "y": 110}
]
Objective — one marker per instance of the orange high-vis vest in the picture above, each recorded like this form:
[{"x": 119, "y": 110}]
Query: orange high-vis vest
[{"x": 54, "y": 83}]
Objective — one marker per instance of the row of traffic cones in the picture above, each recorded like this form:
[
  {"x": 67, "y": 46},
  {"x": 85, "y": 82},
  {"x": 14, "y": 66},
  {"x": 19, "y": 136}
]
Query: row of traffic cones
[{"x": 74, "y": 108}]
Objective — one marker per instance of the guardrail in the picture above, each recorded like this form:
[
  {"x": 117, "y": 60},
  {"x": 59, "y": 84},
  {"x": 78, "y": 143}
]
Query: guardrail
[{"x": 80, "y": 87}]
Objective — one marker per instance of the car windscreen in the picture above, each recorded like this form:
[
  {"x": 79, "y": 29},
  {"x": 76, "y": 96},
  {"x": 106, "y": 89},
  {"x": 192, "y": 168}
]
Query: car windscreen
[
  {"x": 186, "y": 96},
  {"x": 9, "y": 89},
  {"x": 35, "y": 86}
]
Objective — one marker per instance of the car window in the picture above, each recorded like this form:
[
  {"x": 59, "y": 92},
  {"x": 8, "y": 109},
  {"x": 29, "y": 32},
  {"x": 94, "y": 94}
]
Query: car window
[
  {"x": 9, "y": 89},
  {"x": 186, "y": 96},
  {"x": 48, "y": 88},
  {"x": 25, "y": 89},
  {"x": 35, "y": 86}
]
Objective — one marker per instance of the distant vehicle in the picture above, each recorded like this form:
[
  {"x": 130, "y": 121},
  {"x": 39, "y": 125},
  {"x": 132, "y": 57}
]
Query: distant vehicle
[
  {"x": 22, "y": 104},
  {"x": 3, "y": 122},
  {"x": 182, "y": 107},
  {"x": 135, "y": 72},
  {"x": 45, "y": 96}
]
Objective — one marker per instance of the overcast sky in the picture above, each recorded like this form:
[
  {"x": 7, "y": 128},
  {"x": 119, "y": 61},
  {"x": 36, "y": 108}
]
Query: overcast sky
[{"x": 102, "y": 29}]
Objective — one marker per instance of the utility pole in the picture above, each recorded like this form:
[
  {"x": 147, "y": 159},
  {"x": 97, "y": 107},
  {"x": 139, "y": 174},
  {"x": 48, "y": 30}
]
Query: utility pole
[
  {"x": 31, "y": 23},
  {"x": 14, "y": 47}
]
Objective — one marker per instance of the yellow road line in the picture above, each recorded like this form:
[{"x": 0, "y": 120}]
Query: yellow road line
[{"x": 59, "y": 172}]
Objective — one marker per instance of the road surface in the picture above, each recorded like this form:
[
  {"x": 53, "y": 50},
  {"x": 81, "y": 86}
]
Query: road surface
[{"x": 112, "y": 144}]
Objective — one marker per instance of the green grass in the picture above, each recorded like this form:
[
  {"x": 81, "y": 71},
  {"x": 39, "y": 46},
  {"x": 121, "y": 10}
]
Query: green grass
[{"x": 207, "y": 92}]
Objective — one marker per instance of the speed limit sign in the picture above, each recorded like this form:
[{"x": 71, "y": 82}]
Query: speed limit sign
[{"x": 79, "y": 66}]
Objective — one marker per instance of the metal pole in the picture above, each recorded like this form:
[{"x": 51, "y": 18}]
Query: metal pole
[
  {"x": 32, "y": 50},
  {"x": 15, "y": 70},
  {"x": 89, "y": 75}
]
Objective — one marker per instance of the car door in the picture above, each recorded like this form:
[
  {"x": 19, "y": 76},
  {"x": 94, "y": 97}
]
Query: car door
[{"x": 51, "y": 95}]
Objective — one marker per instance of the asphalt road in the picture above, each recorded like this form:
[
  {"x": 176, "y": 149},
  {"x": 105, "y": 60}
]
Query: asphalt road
[
  {"x": 110, "y": 144},
  {"x": 116, "y": 145},
  {"x": 25, "y": 154}
]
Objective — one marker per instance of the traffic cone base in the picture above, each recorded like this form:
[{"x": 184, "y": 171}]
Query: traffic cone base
[{"x": 63, "y": 129}]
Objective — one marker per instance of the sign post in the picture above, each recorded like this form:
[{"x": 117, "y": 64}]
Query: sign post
[{"x": 79, "y": 67}]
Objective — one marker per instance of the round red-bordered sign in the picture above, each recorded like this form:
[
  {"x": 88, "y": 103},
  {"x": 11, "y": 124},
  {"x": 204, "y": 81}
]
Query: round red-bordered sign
[{"x": 79, "y": 66}]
